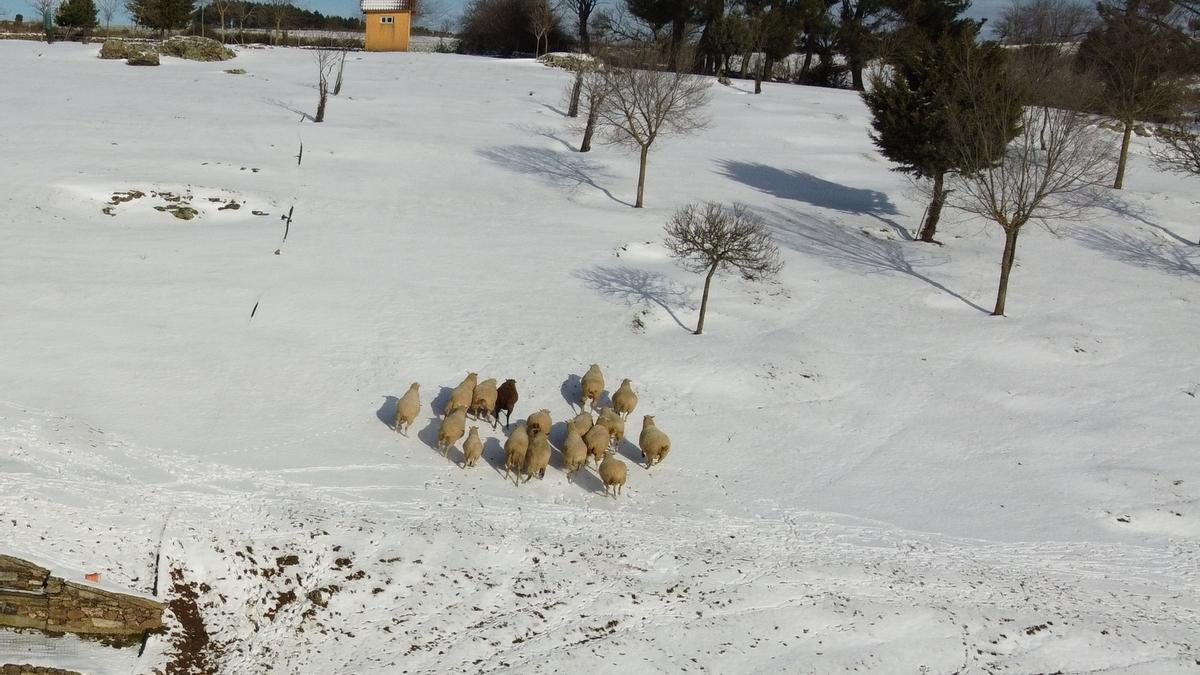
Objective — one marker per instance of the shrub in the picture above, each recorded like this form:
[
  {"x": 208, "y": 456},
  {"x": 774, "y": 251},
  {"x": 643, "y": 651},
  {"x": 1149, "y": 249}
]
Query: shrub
[{"x": 195, "y": 48}]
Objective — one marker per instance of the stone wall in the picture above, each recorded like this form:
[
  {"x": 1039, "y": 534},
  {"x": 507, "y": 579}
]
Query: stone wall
[
  {"x": 31, "y": 598},
  {"x": 26, "y": 669}
]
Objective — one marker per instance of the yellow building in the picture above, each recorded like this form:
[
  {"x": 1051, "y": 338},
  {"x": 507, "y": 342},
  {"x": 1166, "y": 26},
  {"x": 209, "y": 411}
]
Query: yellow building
[{"x": 389, "y": 23}]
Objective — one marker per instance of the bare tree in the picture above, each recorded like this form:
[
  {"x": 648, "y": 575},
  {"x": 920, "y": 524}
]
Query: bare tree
[
  {"x": 327, "y": 60},
  {"x": 107, "y": 9},
  {"x": 341, "y": 68},
  {"x": 1044, "y": 22},
  {"x": 222, "y": 7},
  {"x": 1053, "y": 169},
  {"x": 707, "y": 238},
  {"x": 542, "y": 20},
  {"x": 1179, "y": 150},
  {"x": 279, "y": 10},
  {"x": 643, "y": 105},
  {"x": 582, "y": 10},
  {"x": 45, "y": 10}
]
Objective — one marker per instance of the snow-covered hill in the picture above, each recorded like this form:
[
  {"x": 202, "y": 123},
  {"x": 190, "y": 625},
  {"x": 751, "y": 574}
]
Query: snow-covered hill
[{"x": 869, "y": 472}]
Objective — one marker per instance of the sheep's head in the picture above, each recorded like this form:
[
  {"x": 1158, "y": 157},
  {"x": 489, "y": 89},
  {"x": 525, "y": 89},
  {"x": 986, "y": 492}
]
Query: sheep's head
[
  {"x": 626, "y": 382},
  {"x": 648, "y": 421}
]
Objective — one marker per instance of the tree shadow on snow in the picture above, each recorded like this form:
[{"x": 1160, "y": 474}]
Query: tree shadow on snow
[
  {"x": 556, "y": 168},
  {"x": 1139, "y": 213},
  {"x": 805, "y": 187},
  {"x": 637, "y": 287},
  {"x": 387, "y": 411},
  {"x": 857, "y": 250},
  {"x": 546, "y": 132},
  {"x": 1127, "y": 247},
  {"x": 290, "y": 108}
]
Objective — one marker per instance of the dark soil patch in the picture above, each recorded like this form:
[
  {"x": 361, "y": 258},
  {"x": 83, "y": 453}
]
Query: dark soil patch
[{"x": 192, "y": 650}]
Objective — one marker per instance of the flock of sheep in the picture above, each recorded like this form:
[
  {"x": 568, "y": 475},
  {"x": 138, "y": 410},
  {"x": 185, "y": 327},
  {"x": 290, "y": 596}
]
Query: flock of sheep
[{"x": 528, "y": 448}]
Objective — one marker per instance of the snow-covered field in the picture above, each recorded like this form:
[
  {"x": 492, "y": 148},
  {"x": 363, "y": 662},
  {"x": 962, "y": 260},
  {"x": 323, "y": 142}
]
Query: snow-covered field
[{"x": 869, "y": 473}]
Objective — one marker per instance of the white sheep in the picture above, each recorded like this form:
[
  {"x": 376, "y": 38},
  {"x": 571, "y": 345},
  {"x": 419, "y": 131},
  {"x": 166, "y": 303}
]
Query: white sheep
[
  {"x": 460, "y": 397},
  {"x": 540, "y": 421},
  {"x": 597, "y": 440},
  {"x": 624, "y": 400},
  {"x": 484, "y": 399},
  {"x": 538, "y": 457},
  {"x": 408, "y": 407},
  {"x": 655, "y": 443},
  {"x": 575, "y": 451},
  {"x": 613, "y": 472},
  {"x": 582, "y": 422},
  {"x": 592, "y": 384},
  {"x": 453, "y": 427},
  {"x": 615, "y": 424},
  {"x": 472, "y": 448},
  {"x": 515, "y": 448}
]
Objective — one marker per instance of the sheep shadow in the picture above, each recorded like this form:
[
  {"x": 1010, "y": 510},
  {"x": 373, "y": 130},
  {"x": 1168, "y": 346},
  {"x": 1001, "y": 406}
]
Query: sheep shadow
[
  {"x": 429, "y": 434},
  {"x": 493, "y": 454},
  {"x": 588, "y": 479},
  {"x": 387, "y": 411},
  {"x": 629, "y": 450},
  {"x": 1171, "y": 258},
  {"x": 572, "y": 390},
  {"x": 634, "y": 287},
  {"x": 438, "y": 405},
  {"x": 858, "y": 251},
  {"x": 558, "y": 169}
]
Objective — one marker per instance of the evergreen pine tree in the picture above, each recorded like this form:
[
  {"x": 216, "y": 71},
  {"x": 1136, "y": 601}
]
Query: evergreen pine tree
[
  {"x": 914, "y": 107},
  {"x": 76, "y": 14},
  {"x": 163, "y": 15}
]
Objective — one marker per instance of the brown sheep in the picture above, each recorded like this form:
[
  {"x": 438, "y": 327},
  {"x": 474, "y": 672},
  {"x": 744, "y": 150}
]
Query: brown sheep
[
  {"x": 597, "y": 440},
  {"x": 483, "y": 400},
  {"x": 453, "y": 427},
  {"x": 515, "y": 448},
  {"x": 624, "y": 400},
  {"x": 472, "y": 448},
  {"x": 538, "y": 457},
  {"x": 461, "y": 396},
  {"x": 592, "y": 384},
  {"x": 506, "y": 400},
  {"x": 655, "y": 444},
  {"x": 613, "y": 472},
  {"x": 540, "y": 421},
  {"x": 408, "y": 407}
]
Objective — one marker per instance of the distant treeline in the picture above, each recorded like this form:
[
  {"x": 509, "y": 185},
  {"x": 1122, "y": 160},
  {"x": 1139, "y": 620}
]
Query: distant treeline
[{"x": 262, "y": 16}]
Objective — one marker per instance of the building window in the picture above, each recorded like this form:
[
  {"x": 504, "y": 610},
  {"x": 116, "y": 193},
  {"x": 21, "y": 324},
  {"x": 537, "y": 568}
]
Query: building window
[{"x": 387, "y": 19}]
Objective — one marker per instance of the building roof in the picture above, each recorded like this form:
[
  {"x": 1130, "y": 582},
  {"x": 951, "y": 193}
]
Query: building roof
[{"x": 386, "y": 5}]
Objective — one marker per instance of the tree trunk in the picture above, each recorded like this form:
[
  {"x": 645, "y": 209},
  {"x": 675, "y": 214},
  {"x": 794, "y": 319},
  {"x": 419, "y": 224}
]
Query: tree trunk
[
  {"x": 808, "y": 56},
  {"x": 321, "y": 106},
  {"x": 678, "y": 28},
  {"x": 1006, "y": 263},
  {"x": 592, "y": 118},
  {"x": 576, "y": 89},
  {"x": 856, "y": 79},
  {"x": 1120, "y": 181},
  {"x": 929, "y": 227},
  {"x": 337, "y": 84},
  {"x": 758, "y": 76},
  {"x": 746, "y": 64},
  {"x": 704, "y": 299},
  {"x": 641, "y": 177},
  {"x": 585, "y": 40}
]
